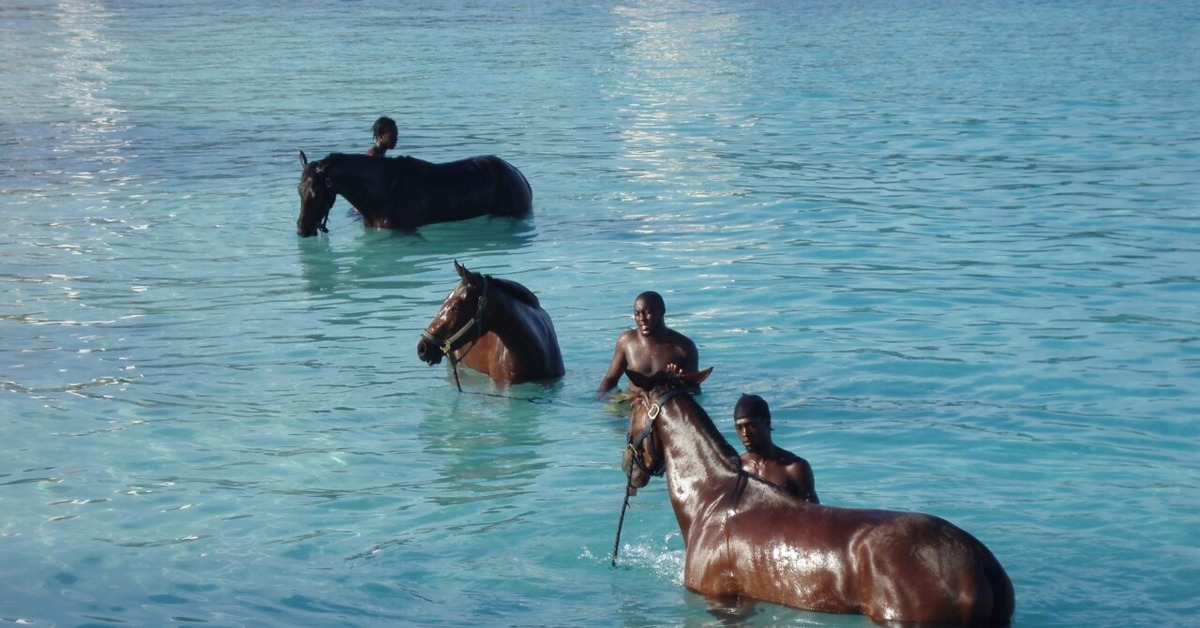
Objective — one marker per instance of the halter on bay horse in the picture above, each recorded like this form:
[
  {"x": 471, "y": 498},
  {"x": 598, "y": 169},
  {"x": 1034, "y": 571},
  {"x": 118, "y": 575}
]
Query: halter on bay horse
[
  {"x": 747, "y": 538},
  {"x": 495, "y": 326},
  {"x": 405, "y": 192}
]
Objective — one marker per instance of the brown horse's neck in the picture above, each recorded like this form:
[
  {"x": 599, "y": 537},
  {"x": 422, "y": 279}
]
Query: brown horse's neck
[{"x": 702, "y": 467}]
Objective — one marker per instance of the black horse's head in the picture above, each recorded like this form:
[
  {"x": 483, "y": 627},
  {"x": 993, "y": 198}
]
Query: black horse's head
[{"x": 316, "y": 197}]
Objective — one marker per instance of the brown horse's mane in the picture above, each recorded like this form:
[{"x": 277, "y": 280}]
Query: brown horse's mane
[
  {"x": 705, "y": 423},
  {"x": 665, "y": 383}
]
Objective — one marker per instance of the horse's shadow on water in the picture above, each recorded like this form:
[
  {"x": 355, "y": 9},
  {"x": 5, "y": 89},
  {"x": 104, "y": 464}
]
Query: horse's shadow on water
[{"x": 328, "y": 267}]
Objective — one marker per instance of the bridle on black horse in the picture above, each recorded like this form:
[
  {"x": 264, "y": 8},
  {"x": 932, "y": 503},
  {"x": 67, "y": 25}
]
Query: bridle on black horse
[{"x": 476, "y": 323}]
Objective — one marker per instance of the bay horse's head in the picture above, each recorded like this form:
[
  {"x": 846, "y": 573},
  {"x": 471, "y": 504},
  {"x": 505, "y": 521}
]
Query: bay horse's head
[
  {"x": 644, "y": 455},
  {"x": 460, "y": 319},
  {"x": 316, "y": 197}
]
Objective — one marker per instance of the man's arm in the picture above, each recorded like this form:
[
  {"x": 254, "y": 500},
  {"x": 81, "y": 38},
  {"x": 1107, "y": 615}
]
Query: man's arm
[
  {"x": 801, "y": 475},
  {"x": 615, "y": 369},
  {"x": 693, "y": 357}
]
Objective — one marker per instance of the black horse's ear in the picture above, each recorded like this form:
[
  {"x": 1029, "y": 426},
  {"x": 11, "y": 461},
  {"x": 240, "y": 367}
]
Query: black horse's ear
[{"x": 303, "y": 160}]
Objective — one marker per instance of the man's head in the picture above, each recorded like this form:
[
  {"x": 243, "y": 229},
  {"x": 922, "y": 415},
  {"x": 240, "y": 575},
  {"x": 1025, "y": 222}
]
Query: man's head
[
  {"x": 385, "y": 127},
  {"x": 752, "y": 419},
  {"x": 648, "y": 313}
]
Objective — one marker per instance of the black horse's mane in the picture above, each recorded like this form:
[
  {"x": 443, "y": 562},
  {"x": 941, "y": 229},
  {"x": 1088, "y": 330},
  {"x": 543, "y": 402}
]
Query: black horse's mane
[{"x": 364, "y": 158}]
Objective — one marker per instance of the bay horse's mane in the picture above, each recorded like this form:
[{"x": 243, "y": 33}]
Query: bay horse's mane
[{"x": 516, "y": 291}]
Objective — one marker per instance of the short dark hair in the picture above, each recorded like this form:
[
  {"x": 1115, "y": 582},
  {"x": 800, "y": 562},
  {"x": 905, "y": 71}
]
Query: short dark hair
[
  {"x": 652, "y": 299},
  {"x": 383, "y": 125},
  {"x": 752, "y": 406}
]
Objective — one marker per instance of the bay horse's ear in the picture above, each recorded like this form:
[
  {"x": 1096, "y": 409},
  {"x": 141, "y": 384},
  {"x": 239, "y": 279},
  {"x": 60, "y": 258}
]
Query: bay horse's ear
[
  {"x": 303, "y": 160},
  {"x": 462, "y": 270}
]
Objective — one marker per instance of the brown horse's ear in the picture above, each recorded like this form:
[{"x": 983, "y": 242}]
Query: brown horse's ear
[
  {"x": 645, "y": 382},
  {"x": 462, "y": 270},
  {"x": 303, "y": 160},
  {"x": 697, "y": 377}
]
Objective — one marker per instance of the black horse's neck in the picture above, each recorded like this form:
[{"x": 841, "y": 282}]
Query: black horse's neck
[{"x": 370, "y": 184}]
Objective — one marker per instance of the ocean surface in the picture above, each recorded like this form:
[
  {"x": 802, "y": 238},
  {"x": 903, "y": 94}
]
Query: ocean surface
[{"x": 956, "y": 245}]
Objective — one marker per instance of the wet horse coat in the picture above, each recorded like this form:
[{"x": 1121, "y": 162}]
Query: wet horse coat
[
  {"x": 747, "y": 538},
  {"x": 495, "y": 326},
  {"x": 405, "y": 192}
]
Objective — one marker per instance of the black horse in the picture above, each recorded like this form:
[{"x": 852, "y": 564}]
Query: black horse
[{"x": 405, "y": 192}]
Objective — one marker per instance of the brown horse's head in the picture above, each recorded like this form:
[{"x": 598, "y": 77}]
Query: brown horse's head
[
  {"x": 316, "y": 197},
  {"x": 460, "y": 319},
  {"x": 644, "y": 455}
]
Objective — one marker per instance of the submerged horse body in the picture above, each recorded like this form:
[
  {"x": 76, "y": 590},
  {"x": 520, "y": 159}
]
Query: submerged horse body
[
  {"x": 745, "y": 537},
  {"x": 495, "y": 326},
  {"x": 405, "y": 192}
]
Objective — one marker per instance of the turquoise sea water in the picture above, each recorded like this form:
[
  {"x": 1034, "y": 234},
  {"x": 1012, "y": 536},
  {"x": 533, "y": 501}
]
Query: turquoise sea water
[{"x": 955, "y": 245}]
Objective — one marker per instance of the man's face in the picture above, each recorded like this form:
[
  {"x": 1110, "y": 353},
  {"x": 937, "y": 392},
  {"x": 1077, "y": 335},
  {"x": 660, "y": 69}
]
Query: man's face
[
  {"x": 647, "y": 317},
  {"x": 755, "y": 433},
  {"x": 388, "y": 138}
]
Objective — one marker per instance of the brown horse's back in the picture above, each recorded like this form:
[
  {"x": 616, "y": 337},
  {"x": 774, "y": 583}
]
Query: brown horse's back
[
  {"x": 887, "y": 565},
  {"x": 923, "y": 568}
]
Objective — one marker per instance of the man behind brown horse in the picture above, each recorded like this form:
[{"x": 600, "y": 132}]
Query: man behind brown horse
[
  {"x": 650, "y": 347},
  {"x": 752, "y": 419}
]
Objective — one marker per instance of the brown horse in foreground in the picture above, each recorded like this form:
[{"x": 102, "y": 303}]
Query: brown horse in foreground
[
  {"x": 747, "y": 538},
  {"x": 406, "y": 193},
  {"x": 494, "y": 326}
]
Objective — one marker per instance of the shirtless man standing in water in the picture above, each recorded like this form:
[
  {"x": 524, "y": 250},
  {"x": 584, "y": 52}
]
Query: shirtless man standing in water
[
  {"x": 752, "y": 418},
  {"x": 386, "y": 134},
  {"x": 650, "y": 347}
]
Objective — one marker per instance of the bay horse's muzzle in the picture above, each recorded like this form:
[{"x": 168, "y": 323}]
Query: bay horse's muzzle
[{"x": 429, "y": 349}]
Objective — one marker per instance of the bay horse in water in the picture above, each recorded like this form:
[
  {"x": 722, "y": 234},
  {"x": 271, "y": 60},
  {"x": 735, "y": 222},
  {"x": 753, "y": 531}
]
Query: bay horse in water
[
  {"x": 746, "y": 538},
  {"x": 405, "y": 192},
  {"x": 495, "y": 326}
]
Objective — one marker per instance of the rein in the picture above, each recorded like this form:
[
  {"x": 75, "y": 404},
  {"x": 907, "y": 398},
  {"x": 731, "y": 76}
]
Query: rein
[
  {"x": 648, "y": 433},
  {"x": 476, "y": 323},
  {"x": 632, "y": 446}
]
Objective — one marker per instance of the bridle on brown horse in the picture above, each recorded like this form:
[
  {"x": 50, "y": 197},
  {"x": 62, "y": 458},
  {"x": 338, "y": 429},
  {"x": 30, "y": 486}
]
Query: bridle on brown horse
[
  {"x": 633, "y": 447},
  {"x": 635, "y": 443},
  {"x": 447, "y": 346}
]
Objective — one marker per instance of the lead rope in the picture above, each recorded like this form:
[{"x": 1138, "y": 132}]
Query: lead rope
[
  {"x": 654, "y": 411},
  {"x": 621, "y": 521}
]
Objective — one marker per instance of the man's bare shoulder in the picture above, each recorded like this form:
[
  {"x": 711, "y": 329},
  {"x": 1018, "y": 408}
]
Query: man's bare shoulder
[
  {"x": 679, "y": 340},
  {"x": 627, "y": 337}
]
